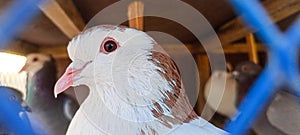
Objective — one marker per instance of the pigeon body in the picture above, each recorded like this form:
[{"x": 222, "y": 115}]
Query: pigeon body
[
  {"x": 246, "y": 73},
  {"x": 221, "y": 92},
  {"x": 135, "y": 88},
  {"x": 284, "y": 113},
  {"x": 56, "y": 114}
]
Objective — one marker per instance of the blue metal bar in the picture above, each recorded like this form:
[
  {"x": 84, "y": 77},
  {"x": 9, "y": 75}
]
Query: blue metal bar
[
  {"x": 18, "y": 14},
  {"x": 259, "y": 95},
  {"x": 293, "y": 37},
  {"x": 257, "y": 18},
  {"x": 282, "y": 64},
  {"x": 10, "y": 113},
  {"x": 293, "y": 33}
]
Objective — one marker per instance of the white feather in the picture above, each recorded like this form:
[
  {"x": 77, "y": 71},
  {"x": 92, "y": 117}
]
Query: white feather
[
  {"x": 123, "y": 86},
  {"x": 221, "y": 93}
]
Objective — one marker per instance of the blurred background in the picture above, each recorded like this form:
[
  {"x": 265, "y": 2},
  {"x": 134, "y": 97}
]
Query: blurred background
[{"x": 60, "y": 20}]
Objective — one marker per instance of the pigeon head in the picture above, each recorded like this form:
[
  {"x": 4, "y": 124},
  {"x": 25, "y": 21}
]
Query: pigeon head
[
  {"x": 108, "y": 54},
  {"x": 246, "y": 71},
  {"x": 35, "y": 62},
  {"x": 126, "y": 68},
  {"x": 135, "y": 86}
]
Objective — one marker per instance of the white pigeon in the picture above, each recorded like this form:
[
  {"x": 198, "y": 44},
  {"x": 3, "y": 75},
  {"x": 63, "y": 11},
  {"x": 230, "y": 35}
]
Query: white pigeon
[
  {"x": 220, "y": 93},
  {"x": 135, "y": 88}
]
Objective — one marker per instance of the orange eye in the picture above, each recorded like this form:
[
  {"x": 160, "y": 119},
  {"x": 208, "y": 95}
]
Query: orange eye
[{"x": 245, "y": 68}]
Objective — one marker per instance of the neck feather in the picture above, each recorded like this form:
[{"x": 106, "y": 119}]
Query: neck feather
[{"x": 163, "y": 106}]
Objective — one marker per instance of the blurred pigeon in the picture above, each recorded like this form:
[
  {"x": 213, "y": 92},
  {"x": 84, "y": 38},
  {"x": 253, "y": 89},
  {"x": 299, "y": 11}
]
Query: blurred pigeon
[
  {"x": 220, "y": 92},
  {"x": 284, "y": 113},
  {"x": 11, "y": 100},
  {"x": 56, "y": 114},
  {"x": 246, "y": 73},
  {"x": 135, "y": 88}
]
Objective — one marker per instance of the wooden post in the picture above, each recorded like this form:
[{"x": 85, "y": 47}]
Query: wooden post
[
  {"x": 253, "y": 56},
  {"x": 135, "y": 15},
  {"x": 54, "y": 11},
  {"x": 204, "y": 71},
  {"x": 279, "y": 10}
]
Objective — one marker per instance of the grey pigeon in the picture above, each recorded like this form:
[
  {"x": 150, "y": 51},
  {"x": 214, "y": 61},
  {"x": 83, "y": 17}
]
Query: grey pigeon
[
  {"x": 284, "y": 113},
  {"x": 246, "y": 73},
  {"x": 221, "y": 92},
  {"x": 56, "y": 114}
]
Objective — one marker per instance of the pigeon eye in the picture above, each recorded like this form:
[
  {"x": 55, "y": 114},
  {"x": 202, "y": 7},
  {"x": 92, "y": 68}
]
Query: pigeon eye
[
  {"x": 245, "y": 68},
  {"x": 110, "y": 46},
  {"x": 35, "y": 59}
]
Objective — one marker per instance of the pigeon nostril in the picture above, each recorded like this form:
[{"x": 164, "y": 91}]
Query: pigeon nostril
[{"x": 70, "y": 72}]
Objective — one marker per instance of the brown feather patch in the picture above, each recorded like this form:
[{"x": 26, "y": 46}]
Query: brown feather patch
[{"x": 177, "y": 99}]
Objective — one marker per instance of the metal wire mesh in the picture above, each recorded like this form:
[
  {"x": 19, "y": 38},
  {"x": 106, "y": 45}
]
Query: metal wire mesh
[
  {"x": 282, "y": 66},
  {"x": 10, "y": 25},
  {"x": 281, "y": 69}
]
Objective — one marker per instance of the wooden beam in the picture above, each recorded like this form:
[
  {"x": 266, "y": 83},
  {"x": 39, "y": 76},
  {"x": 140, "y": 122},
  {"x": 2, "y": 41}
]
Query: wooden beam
[
  {"x": 64, "y": 15},
  {"x": 204, "y": 71},
  {"x": 20, "y": 47},
  {"x": 230, "y": 49},
  {"x": 278, "y": 10},
  {"x": 61, "y": 51},
  {"x": 135, "y": 15},
  {"x": 56, "y": 52},
  {"x": 253, "y": 56},
  {"x": 71, "y": 10},
  {"x": 238, "y": 48}
]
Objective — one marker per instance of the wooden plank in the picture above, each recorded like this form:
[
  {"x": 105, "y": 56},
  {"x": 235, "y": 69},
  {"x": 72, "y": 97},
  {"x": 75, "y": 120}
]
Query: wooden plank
[
  {"x": 20, "y": 47},
  {"x": 57, "y": 52},
  {"x": 204, "y": 71},
  {"x": 61, "y": 51},
  {"x": 135, "y": 15},
  {"x": 230, "y": 49},
  {"x": 253, "y": 56},
  {"x": 71, "y": 10},
  {"x": 278, "y": 10},
  {"x": 69, "y": 25},
  {"x": 238, "y": 48}
]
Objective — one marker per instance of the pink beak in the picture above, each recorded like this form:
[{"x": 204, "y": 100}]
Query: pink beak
[
  {"x": 23, "y": 68},
  {"x": 67, "y": 79}
]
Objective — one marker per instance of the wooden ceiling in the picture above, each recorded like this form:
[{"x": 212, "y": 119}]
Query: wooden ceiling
[{"x": 60, "y": 20}]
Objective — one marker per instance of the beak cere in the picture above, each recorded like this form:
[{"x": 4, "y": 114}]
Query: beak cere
[{"x": 68, "y": 78}]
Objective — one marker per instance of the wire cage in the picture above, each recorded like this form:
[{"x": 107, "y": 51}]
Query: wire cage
[
  {"x": 281, "y": 69},
  {"x": 282, "y": 66}
]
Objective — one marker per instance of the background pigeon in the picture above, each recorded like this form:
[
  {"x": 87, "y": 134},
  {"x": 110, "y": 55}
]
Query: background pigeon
[
  {"x": 135, "y": 88},
  {"x": 56, "y": 114},
  {"x": 245, "y": 73},
  {"x": 14, "y": 103},
  {"x": 282, "y": 104},
  {"x": 220, "y": 93}
]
